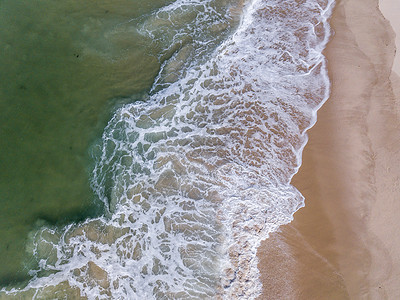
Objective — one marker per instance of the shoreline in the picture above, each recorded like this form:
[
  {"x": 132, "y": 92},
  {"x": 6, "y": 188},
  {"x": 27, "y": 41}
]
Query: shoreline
[{"x": 343, "y": 244}]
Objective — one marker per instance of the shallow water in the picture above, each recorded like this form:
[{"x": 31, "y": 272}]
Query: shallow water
[{"x": 197, "y": 172}]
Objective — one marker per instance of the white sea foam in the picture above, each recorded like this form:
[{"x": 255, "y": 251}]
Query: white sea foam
[{"x": 198, "y": 174}]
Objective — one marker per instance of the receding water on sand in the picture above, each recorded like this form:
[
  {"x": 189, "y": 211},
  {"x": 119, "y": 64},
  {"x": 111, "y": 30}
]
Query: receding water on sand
[{"x": 195, "y": 173}]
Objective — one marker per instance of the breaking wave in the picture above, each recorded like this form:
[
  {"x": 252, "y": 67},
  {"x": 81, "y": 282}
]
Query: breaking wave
[{"x": 198, "y": 172}]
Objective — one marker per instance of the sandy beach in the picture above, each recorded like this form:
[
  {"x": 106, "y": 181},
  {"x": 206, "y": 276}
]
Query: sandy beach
[{"x": 345, "y": 244}]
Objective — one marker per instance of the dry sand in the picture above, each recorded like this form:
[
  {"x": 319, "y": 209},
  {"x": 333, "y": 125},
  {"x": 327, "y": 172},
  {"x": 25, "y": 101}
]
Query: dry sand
[
  {"x": 345, "y": 244},
  {"x": 391, "y": 11}
]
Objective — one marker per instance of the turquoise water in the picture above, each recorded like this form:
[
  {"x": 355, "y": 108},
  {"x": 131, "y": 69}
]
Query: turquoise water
[{"x": 63, "y": 67}]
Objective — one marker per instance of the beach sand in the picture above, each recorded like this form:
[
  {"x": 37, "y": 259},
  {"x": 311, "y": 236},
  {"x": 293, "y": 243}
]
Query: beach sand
[{"x": 345, "y": 244}]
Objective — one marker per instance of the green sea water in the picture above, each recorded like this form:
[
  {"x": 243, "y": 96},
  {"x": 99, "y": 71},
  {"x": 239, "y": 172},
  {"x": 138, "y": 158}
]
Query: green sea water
[{"x": 63, "y": 67}]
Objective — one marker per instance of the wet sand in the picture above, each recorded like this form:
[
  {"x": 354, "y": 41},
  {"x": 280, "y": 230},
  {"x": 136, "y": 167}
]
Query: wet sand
[{"x": 344, "y": 244}]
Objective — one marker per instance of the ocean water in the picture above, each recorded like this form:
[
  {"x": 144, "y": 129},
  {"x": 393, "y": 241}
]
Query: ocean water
[
  {"x": 64, "y": 64},
  {"x": 207, "y": 104}
]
